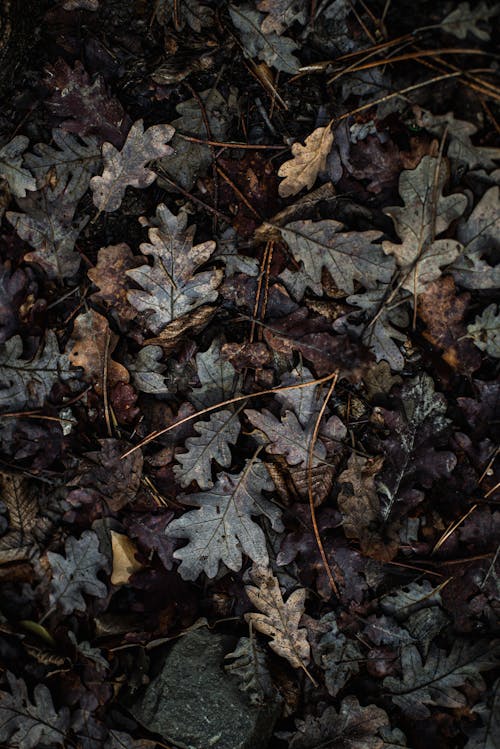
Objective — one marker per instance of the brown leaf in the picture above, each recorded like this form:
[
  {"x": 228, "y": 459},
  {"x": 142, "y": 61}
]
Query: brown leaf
[
  {"x": 20, "y": 498},
  {"x": 279, "y": 620},
  {"x": 443, "y": 312},
  {"x": 124, "y": 561},
  {"x": 311, "y": 336},
  {"x": 360, "y": 505},
  {"x": 302, "y": 170},
  {"x": 92, "y": 343},
  {"x": 109, "y": 277},
  {"x": 192, "y": 322}
]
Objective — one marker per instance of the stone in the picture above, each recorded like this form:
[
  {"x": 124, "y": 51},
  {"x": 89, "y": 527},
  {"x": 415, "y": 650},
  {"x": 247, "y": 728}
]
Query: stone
[{"x": 194, "y": 704}]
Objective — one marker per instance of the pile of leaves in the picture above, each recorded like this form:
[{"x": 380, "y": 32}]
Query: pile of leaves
[{"x": 249, "y": 344}]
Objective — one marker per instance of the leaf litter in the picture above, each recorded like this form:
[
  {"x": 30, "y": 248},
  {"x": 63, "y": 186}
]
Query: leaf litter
[{"x": 249, "y": 344}]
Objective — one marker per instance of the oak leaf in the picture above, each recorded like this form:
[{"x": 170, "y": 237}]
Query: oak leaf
[
  {"x": 212, "y": 443},
  {"x": 20, "y": 497},
  {"x": 308, "y": 160},
  {"x": 109, "y": 275},
  {"x": 278, "y": 619},
  {"x": 348, "y": 256},
  {"x": 91, "y": 345},
  {"x": 75, "y": 573},
  {"x": 435, "y": 680},
  {"x": 222, "y": 528},
  {"x": 172, "y": 286},
  {"x": 426, "y": 214},
  {"x": 128, "y": 167},
  {"x": 281, "y": 14},
  {"x": 485, "y": 331},
  {"x": 18, "y": 177},
  {"x": 29, "y": 724},
  {"x": 464, "y": 19},
  {"x": 276, "y": 51}
]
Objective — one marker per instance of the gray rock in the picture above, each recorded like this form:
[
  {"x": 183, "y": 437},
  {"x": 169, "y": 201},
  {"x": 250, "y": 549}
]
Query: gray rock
[{"x": 194, "y": 704}]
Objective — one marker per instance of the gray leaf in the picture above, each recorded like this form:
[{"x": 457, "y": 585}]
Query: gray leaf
[
  {"x": 20, "y": 179},
  {"x": 275, "y": 50},
  {"x": 215, "y": 436},
  {"x": 222, "y": 528},
  {"x": 76, "y": 573}
]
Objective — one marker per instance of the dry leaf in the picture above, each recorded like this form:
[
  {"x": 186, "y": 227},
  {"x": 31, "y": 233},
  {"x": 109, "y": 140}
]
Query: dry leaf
[
  {"x": 307, "y": 162},
  {"x": 92, "y": 345},
  {"x": 279, "y": 620},
  {"x": 128, "y": 167},
  {"x": 124, "y": 561}
]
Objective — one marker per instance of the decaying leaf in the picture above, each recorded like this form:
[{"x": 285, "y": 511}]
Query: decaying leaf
[
  {"x": 485, "y": 331},
  {"x": 382, "y": 322},
  {"x": 352, "y": 727},
  {"x": 248, "y": 663},
  {"x": 29, "y": 724},
  {"x": 109, "y": 275},
  {"x": 360, "y": 506},
  {"x": 18, "y": 177},
  {"x": 172, "y": 286},
  {"x": 425, "y": 215},
  {"x": 443, "y": 311},
  {"x": 281, "y": 14},
  {"x": 64, "y": 169},
  {"x": 435, "y": 680},
  {"x": 287, "y": 437},
  {"x": 487, "y": 735},
  {"x": 19, "y": 496},
  {"x": 195, "y": 14},
  {"x": 128, "y": 167},
  {"x": 222, "y": 528},
  {"x": 75, "y": 573},
  {"x": 348, "y": 256},
  {"x": 190, "y": 160},
  {"x": 308, "y": 160},
  {"x": 51, "y": 229},
  {"x": 278, "y": 619},
  {"x": 215, "y": 436},
  {"x": 475, "y": 268},
  {"x": 339, "y": 656},
  {"x": 416, "y": 430},
  {"x": 27, "y": 383},
  {"x": 464, "y": 19},
  {"x": 218, "y": 378},
  {"x": 146, "y": 368},
  {"x": 92, "y": 343},
  {"x": 276, "y": 51}
]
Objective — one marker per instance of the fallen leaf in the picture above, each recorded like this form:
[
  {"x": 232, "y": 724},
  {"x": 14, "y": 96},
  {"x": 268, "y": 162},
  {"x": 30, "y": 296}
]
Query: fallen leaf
[
  {"x": 18, "y": 177},
  {"x": 91, "y": 344},
  {"x": 172, "y": 286},
  {"x": 485, "y": 331},
  {"x": 464, "y": 20},
  {"x": 124, "y": 562},
  {"x": 109, "y": 275},
  {"x": 425, "y": 215},
  {"x": 279, "y": 620},
  {"x": 128, "y": 167},
  {"x": 276, "y": 51},
  {"x": 308, "y": 160}
]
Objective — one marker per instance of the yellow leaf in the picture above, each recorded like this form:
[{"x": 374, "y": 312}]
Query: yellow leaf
[{"x": 124, "y": 561}]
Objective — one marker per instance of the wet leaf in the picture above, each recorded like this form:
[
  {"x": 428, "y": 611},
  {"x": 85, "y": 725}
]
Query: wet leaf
[
  {"x": 27, "y": 383},
  {"x": 348, "y": 256},
  {"x": 91, "y": 345},
  {"x": 485, "y": 331}
]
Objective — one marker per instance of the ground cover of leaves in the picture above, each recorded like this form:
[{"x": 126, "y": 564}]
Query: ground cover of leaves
[{"x": 249, "y": 356}]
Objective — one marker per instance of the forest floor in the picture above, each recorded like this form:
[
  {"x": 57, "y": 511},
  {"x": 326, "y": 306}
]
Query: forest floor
[{"x": 249, "y": 393}]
